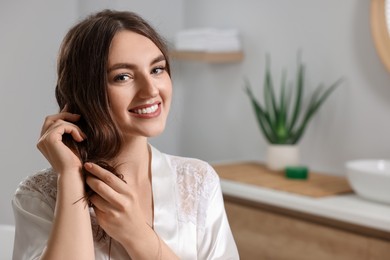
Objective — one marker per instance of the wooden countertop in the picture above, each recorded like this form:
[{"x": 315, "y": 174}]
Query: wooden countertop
[
  {"x": 254, "y": 173},
  {"x": 348, "y": 211}
]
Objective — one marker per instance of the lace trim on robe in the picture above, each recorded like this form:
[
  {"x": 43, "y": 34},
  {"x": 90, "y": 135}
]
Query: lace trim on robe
[
  {"x": 44, "y": 184},
  {"x": 196, "y": 180}
]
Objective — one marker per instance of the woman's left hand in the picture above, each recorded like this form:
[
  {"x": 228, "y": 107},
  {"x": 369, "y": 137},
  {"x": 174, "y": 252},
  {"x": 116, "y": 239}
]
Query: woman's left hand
[
  {"x": 119, "y": 213},
  {"x": 115, "y": 204}
]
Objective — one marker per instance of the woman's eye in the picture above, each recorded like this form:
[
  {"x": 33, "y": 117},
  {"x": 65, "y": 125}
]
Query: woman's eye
[
  {"x": 158, "y": 70},
  {"x": 122, "y": 77}
]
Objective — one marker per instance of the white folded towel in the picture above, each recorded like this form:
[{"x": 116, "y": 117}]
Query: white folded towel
[{"x": 208, "y": 40}]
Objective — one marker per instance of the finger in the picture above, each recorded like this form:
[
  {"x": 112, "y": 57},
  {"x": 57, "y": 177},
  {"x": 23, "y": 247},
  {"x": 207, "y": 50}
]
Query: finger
[
  {"x": 99, "y": 203},
  {"x": 58, "y": 129},
  {"x": 104, "y": 191},
  {"x": 60, "y": 122},
  {"x": 65, "y": 109},
  {"x": 66, "y": 116},
  {"x": 56, "y": 126},
  {"x": 106, "y": 177}
]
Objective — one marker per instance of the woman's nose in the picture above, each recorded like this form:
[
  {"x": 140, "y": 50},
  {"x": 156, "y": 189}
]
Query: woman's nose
[{"x": 147, "y": 87}]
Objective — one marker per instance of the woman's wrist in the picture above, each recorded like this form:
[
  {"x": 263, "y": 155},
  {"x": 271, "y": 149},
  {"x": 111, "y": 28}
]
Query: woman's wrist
[
  {"x": 71, "y": 184},
  {"x": 138, "y": 239}
]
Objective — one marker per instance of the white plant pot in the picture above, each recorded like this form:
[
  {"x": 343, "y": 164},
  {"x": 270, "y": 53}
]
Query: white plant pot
[{"x": 279, "y": 156}]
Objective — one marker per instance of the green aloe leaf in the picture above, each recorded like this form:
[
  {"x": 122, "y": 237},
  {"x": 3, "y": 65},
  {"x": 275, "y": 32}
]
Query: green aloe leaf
[
  {"x": 269, "y": 95},
  {"x": 282, "y": 119},
  {"x": 316, "y": 101},
  {"x": 298, "y": 95},
  {"x": 261, "y": 115},
  {"x": 282, "y": 131}
]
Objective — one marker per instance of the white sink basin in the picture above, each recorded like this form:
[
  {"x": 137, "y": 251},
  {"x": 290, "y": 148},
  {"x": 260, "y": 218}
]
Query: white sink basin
[{"x": 370, "y": 178}]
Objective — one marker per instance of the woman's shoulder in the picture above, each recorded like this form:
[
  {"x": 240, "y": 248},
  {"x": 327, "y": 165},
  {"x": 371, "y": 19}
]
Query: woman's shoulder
[
  {"x": 196, "y": 183},
  {"x": 192, "y": 166},
  {"x": 194, "y": 174},
  {"x": 42, "y": 183}
]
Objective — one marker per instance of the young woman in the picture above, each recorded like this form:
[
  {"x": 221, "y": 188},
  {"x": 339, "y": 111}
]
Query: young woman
[{"x": 109, "y": 194}]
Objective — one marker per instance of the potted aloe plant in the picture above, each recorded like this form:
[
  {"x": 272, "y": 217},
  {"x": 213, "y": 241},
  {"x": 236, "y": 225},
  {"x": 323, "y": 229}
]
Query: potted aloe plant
[{"x": 282, "y": 118}]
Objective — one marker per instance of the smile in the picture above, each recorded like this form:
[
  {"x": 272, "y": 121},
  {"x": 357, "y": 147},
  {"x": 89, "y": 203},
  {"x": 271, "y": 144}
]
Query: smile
[{"x": 145, "y": 110}]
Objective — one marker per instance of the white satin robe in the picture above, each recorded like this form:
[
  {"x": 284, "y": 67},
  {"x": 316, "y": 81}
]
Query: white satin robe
[{"x": 189, "y": 213}]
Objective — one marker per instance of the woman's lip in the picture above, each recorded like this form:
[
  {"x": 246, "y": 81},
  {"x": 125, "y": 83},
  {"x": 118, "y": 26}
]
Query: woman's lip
[
  {"x": 154, "y": 112},
  {"x": 145, "y": 106}
]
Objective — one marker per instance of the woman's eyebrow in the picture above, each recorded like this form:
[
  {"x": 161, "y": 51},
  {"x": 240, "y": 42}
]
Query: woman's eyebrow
[
  {"x": 121, "y": 66},
  {"x": 133, "y": 66},
  {"x": 158, "y": 59}
]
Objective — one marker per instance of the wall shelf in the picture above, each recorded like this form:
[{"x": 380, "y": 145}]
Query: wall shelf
[{"x": 211, "y": 57}]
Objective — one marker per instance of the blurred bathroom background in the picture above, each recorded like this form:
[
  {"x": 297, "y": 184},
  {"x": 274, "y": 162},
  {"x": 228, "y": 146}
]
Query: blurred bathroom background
[{"x": 211, "y": 117}]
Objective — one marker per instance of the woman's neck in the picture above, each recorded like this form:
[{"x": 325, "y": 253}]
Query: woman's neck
[{"x": 133, "y": 161}]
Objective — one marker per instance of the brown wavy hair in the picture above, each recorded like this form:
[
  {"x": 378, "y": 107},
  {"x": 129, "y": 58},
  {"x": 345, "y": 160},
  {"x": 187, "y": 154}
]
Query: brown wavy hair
[{"x": 82, "y": 79}]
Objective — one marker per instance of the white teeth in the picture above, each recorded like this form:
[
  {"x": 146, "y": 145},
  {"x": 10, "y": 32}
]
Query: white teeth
[{"x": 147, "y": 110}]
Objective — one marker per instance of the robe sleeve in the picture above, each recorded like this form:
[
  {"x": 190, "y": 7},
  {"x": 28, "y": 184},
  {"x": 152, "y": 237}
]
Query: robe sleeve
[
  {"x": 33, "y": 222},
  {"x": 216, "y": 241}
]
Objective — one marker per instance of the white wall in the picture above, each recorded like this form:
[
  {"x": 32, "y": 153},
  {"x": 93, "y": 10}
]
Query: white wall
[
  {"x": 211, "y": 117},
  {"x": 31, "y": 32},
  {"x": 335, "y": 38}
]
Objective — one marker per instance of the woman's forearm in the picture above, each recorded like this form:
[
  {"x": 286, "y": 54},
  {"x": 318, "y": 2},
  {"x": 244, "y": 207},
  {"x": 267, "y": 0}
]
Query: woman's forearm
[
  {"x": 71, "y": 236},
  {"x": 148, "y": 246}
]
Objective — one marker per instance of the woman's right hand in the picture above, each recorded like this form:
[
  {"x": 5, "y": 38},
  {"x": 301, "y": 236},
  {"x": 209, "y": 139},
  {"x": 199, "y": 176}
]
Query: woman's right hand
[
  {"x": 71, "y": 234},
  {"x": 51, "y": 144}
]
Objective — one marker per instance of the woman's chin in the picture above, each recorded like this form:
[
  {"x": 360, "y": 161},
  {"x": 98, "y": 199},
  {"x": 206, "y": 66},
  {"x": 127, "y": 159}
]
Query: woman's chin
[{"x": 148, "y": 133}]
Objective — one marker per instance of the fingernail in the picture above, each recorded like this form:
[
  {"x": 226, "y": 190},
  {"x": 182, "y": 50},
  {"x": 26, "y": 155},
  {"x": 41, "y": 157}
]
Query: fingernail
[{"x": 88, "y": 165}]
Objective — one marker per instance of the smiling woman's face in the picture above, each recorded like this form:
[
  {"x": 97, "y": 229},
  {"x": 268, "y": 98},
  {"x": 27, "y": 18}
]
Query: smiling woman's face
[{"x": 139, "y": 86}]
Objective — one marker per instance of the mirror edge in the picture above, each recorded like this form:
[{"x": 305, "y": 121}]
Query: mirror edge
[{"x": 380, "y": 31}]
